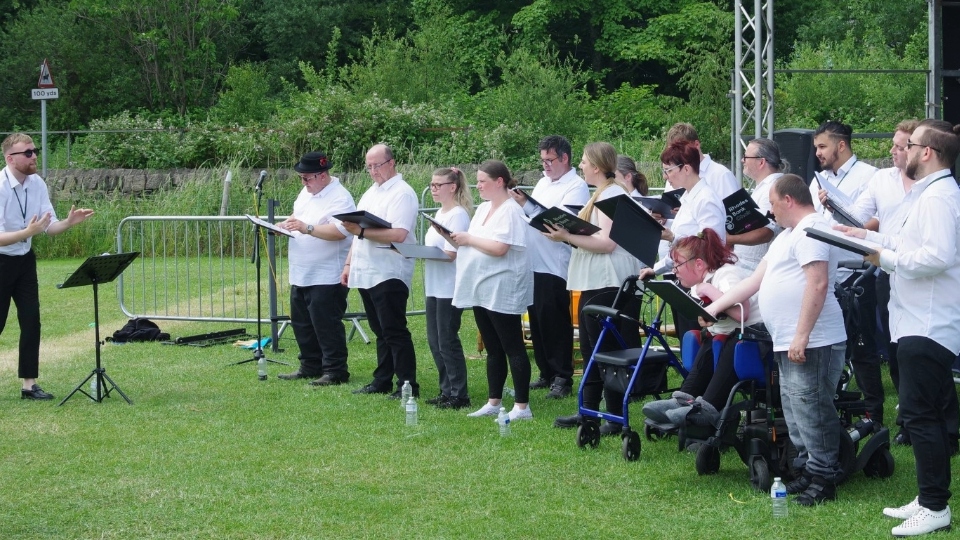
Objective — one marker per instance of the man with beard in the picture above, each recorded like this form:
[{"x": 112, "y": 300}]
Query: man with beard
[
  {"x": 924, "y": 265},
  {"x": 25, "y": 211}
]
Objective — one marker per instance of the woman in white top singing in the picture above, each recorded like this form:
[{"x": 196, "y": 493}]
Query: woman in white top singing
[{"x": 494, "y": 278}]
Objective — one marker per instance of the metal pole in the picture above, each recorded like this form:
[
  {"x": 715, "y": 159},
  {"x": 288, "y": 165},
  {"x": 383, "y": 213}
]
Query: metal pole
[
  {"x": 934, "y": 52},
  {"x": 43, "y": 136}
]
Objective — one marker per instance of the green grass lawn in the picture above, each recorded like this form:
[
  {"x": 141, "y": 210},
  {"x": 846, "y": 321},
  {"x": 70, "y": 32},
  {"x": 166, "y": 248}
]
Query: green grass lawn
[{"x": 207, "y": 451}]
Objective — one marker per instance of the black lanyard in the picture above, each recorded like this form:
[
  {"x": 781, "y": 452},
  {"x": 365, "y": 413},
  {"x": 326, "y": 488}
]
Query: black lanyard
[{"x": 21, "y": 204}]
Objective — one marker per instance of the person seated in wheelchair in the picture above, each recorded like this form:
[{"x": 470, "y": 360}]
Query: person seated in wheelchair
[{"x": 704, "y": 264}]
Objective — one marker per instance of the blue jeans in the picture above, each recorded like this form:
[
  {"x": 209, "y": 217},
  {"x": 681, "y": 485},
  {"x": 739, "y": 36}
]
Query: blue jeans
[{"x": 807, "y": 391}]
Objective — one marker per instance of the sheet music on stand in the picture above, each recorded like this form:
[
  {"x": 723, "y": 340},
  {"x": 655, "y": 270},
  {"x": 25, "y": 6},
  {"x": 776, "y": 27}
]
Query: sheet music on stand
[{"x": 269, "y": 226}]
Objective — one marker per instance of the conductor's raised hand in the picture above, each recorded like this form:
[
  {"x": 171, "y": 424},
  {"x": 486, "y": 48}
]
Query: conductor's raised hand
[
  {"x": 38, "y": 224},
  {"x": 78, "y": 215}
]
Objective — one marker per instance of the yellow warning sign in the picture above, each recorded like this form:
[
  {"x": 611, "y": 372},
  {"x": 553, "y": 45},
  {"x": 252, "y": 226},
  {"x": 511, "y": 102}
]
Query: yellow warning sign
[{"x": 46, "y": 79}]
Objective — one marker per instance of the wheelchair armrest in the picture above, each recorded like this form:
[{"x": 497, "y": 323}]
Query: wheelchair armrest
[{"x": 854, "y": 265}]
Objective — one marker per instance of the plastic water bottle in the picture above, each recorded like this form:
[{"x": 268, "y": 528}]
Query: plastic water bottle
[
  {"x": 507, "y": 391},
  {"x": 93, "y": 387},
  {"x": 262, "y": 368},
  {"x": 778, "y": 495},
  {"x": 503, "y": 420},
  {"x": 406, "y": 392},
  {"x": 411, "y": 411}
]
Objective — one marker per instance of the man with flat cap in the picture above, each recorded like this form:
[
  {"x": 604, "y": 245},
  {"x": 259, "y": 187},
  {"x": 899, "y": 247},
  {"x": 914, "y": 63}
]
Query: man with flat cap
[{"x": 317, "y": 252}]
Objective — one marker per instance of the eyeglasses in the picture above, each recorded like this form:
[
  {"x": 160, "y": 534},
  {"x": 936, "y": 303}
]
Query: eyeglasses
[
  {"x": 676, "y": 265},
  {"x": 744, "y": 158},
  {"x": 548, "y": 161},
  {"x": 666, "y": 170},
  {"x": 28, "y": 153},
  {"x": 437, "y": 186},
  {"x": 378, "y": 165},
  {"x": 910, "y": 144}
]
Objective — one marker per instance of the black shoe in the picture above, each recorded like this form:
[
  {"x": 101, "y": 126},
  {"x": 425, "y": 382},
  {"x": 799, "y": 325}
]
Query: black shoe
[
  {"x": 560, "y": 388},
  {"x": 399, "y": 394},
  {"x": 455, "y": 403},
  {"x": 370, "y": 389},
  {"x": 902, "y": 438},
  {"x": 539, "y": 384},
  {"x": 292, "y": 376},
  {"x": 799, "y": 485},
  {"x": 564, "y": 422},
  {"x": 437, "y": 400},
  {"x": 609, "y": 429},
  {"x": 329, "y": 380},
  {"x": 35, "y": 392},
  {"x": 818, "y": 492}
]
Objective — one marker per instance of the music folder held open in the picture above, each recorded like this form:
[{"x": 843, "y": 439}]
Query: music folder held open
[{"x": 633, "y": 227}]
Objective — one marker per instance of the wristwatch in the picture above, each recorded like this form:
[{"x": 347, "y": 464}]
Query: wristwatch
[{"x": 310, "y": 230}]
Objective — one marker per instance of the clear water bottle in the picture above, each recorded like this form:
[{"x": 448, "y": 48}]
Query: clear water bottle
[
  {"x": 508, "y": 392},
  {"x": 503, "y": 420},
  {"x": 93, "y": 387},
  {"x": 778, "y": 495},
  {"x": 411, "y": 411},
  {"x": 406, "y": 392},
  {"x": 262, "y": 368}
]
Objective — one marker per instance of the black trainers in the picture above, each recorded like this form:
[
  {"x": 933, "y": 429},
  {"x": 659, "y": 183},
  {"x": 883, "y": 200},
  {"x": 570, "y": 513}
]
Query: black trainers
[
  {"x": 437, "y": 400},
  {"x": 818, "y": 492},
  {"x": 539, "y": 384},
  {"x": 560, "y": 388},
  {"x": 799, "y": 485},
  {"x": 902, "y": 438},
  {"x": 35, "y": 392},
  {"x": 455, "y": 403}
]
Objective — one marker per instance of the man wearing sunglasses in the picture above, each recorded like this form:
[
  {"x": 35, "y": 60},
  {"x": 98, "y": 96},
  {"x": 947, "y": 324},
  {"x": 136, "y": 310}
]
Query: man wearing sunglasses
[{"x": 25, "y": 211}]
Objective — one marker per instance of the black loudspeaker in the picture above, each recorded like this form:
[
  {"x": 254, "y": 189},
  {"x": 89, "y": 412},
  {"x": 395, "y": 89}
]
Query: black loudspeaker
[
  {"x": 796, "y": 146},
  {"x": 950, "y": 17}
]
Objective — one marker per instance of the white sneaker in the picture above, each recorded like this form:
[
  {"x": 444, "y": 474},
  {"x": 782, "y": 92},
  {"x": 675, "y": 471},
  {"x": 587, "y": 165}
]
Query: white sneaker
[
  {"x": 486, "y": 410},
  {"x": 923, "y": 522},
  {"x": 904, "y": 512},
  {"x": 520, "y": 414}
]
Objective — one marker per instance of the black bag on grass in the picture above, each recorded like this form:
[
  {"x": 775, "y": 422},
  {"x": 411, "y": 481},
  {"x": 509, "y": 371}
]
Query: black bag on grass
[{"x": 140, "y": 330}]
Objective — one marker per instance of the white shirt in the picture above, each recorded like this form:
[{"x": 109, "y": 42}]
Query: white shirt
[
  {"x": 783, "y": 284},
  {"x": 547, "y": 256},
  {"x": 724, "y": 279},
  {"x": 19, "y": 203},
  {"x": 700, "y": 208},
  {"x": 924, "y": 264},
  {"x": 750, "y": 256},
  {"x": 715, "y": 175},
  {"x": 314, "y": 261},
  {"x": 502, "y": 284},
  {"x": 439, "y": 276},
  {"x": 882, "y": 198},
  {"x": 590, "y": 271},
  {"x": 395, "y": 202}
]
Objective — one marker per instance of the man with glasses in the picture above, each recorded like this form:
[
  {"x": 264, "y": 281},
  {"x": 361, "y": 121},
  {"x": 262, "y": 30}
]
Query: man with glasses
[
  {"x": 25, "y": 211},
  {"x": 551, "y": 327},
  {"x": 317, "y": 254},
  {"x": 384, "y": 276},
  {"x": 924, "y": 265},
  {"x": 762, "y": 164}
]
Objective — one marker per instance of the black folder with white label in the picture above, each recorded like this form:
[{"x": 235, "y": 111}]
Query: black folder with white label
[
  {"x": 743, "y": 214},
  {"x": 558, "y": 218},
  {"x": 634, "y": 229}
]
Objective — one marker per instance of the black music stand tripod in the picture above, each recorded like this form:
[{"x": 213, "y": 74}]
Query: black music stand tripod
[{"x": 94, "y": 271}]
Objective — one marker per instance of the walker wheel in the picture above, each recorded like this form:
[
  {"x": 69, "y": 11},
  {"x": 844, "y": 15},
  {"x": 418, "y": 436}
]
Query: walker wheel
[
  {"x": 880, "y": 464},
  {"x": 631, "y": 446},
  {"x": 588, "y": 434},
  {"x": 760, "y": 475},
  {"x": 708, "y": 459}
]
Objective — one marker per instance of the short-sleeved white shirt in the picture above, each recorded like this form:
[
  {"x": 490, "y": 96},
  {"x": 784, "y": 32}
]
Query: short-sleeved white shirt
[
  {"x": 547, "y": 256},
  {"x": 502, "y": 284},
  {"x": 395, "y": 202},
  {"x": 19, "y": 203},
  {"x": 591, "y": 271},
  {"x": 750, "y": 256},
  {"x": 783, "y": 284},
  {"x": 314, "y": 261},
  {"x": 700, "y": 208},
  {"x": 439, "y": 277}
]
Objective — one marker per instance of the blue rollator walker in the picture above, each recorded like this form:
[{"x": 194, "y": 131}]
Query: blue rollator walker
[{"x": 621, "y": 370}]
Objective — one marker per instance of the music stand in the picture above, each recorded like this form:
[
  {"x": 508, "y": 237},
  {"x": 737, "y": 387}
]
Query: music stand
[{"x": 94, "y": 271}]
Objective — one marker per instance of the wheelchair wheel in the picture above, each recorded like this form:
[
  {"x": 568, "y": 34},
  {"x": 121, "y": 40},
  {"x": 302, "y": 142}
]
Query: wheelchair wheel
[
  {"x": 760, "y": 475},
  {"x": 880, "y": 464},
  {"x": 708, "y": 460},
  {"x": 588, "y": 434},
  {"x": 631, "y": 446}
]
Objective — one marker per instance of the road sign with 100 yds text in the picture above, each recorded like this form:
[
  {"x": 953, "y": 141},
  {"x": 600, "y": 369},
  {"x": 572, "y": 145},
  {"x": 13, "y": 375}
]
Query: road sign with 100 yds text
[{"x": 45, "y": 93}]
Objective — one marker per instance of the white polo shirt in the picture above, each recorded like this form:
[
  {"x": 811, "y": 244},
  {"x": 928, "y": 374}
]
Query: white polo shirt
[
  {"x": 547, "y": 256},
  {"x": 19, "y": 203},
  {"x": 782, "y": 288},
  {"x": 395, "y": 202},
  {"x": 883, "y": 198},
  {"x": 314, "y": 261},
  {"x": 749, "y": 257}
]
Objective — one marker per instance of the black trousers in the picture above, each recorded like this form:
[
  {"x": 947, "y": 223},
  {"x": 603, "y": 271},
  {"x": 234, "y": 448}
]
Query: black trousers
[
  {"x": 926, "y": 387},
  {"x": 502, "y": 335},
  {"x": 18, "y": 282},
  {"x": 551, "y": 328},
  {"x": 713, "y": 383},
  {"x": 862, "y": 352},
  {"x": 590, "y": 330},
  {"x": 316, "y": 315},
  {"x": 386, "y": 307}
]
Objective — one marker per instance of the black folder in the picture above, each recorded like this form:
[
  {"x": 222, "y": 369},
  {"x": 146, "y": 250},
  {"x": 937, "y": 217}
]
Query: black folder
[
  {"x": 672, "y": 198},
  {"x": 743, "y": 214},
  {"x": 529, "y": 198},
  {"x": 364, "y": 219},
  {"x": 634, "y": 228},
  {"x": 657, "y": 206},
  {"x": 416, "y": 251},
  {"x": 558, "y": 218},
  {"x": 680, "y": 301},
  {"x": 842, "y": 241},
  {"x": 437, "y": 224}
]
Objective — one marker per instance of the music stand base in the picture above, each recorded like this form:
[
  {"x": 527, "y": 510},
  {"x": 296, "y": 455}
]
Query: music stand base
[
  {"x": 257, "y": 355},
  {"x": 105, "y": 385}
]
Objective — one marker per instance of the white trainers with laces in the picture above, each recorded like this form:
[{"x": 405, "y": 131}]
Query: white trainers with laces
[
  {"x": 923, "y": 522},
  {"x": 904, "y": 512},
  {"x": 486, "y": 410},
  {"x": 520, "y": 414}
]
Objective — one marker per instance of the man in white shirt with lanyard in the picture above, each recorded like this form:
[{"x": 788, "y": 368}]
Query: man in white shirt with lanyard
[
  {"x": 384, "y": 276},
  {"x": 317, "y": 255},
  {"x": 924, "y": 266},
  {"x": 551, "y": 327},
  {"x": 26, "y": 211},
  {"x": 762, "y": 164}
]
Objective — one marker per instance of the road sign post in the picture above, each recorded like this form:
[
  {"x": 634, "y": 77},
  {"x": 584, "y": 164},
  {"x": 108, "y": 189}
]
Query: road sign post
[{"x": 46, "y": 89}]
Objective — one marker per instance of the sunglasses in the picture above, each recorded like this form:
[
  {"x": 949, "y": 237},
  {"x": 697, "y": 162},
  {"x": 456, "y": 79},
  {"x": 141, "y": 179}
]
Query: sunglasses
[{"x": 28, "y": 153}]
